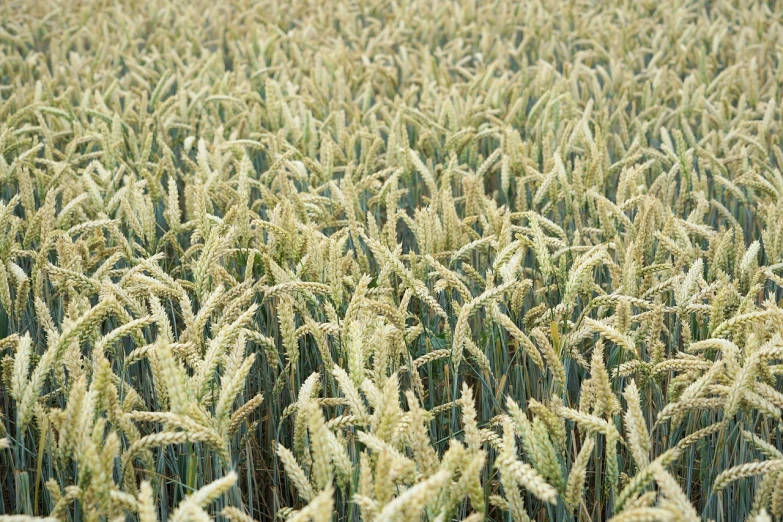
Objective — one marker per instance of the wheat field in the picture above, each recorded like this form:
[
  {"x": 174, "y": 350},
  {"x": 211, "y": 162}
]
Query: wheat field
[{"x": 405, "y": 260}]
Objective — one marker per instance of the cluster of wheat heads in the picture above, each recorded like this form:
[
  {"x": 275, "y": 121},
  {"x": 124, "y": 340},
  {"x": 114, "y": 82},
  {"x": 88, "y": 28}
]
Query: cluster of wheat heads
[{"x": 391, "y": 261}]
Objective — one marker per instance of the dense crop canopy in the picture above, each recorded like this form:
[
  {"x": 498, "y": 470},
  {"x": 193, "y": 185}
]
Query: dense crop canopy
[{"x": 391, "y": 260}]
